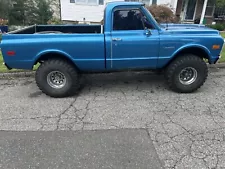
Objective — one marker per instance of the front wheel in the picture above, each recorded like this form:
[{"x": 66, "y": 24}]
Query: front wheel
[
  {"x": 57, "y": 78},
  {"x": 186, "y": 74}
]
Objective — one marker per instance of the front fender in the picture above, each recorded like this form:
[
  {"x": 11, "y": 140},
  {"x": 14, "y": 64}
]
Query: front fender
[{"x": 189, "y": 46}]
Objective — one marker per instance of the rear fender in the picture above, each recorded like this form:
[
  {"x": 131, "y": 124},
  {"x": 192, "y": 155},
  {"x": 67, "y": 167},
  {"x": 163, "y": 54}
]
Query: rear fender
[{"x": 52, "y": 51}]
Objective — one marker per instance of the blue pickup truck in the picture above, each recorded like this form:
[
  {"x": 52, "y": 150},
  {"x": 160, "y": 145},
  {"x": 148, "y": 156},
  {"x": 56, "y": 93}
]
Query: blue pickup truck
[{"x": 130, "y": 39}]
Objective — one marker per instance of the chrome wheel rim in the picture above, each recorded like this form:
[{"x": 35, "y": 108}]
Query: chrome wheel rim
[
  {"x": 56, "y": 79},
  {"x": 188, "y": 76}
]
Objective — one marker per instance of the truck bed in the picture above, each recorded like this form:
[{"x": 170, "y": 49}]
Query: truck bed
[
  {"x": 46, "y": 29},
  {"x": 71, "y": 41}
]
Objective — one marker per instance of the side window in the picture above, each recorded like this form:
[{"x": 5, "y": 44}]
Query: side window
[{"x": 130, "y": 19}]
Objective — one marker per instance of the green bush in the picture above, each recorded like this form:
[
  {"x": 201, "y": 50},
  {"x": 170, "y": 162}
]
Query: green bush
[
  {"x": 54, "y": 21},
  {"x": 163, "y": 14},
  {"x": 219, "y": 27}
]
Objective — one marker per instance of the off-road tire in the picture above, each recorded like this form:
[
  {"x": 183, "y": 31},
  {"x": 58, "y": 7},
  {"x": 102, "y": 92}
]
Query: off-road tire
[
  {"x": 174, "y": 69},
  {"x": 70, "y": 72}
]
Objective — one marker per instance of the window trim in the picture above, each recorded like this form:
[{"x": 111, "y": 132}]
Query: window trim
[
  {"x": 88, "y": 4},
  {"x": 212, "y": 6},
  {"x": 119, "y": 8},
  {"x": 148, "y": 4},
  {"x": 185, "y": 9},
  {"x": 154, "y": 2},
  {"x": 212, "y": 11}
]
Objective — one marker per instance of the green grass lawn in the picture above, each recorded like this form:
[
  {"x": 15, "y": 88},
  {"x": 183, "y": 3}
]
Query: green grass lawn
[
  {"x": 223, "y": 34},
  {"x": 3, "y": 69},
  {"x": 222, "y": 59}
]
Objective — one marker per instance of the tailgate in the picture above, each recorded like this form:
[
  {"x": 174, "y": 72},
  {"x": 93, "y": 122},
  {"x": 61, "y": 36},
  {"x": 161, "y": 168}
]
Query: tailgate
[{"x": 2, "y": 54}]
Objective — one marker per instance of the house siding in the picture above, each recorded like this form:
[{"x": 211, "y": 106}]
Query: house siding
[
  {"x": 207, "y": 19},
  {"x": 93, "y": 13},
  {"x": 75, "y": 12},
  {"x": 198, "y": 12}
]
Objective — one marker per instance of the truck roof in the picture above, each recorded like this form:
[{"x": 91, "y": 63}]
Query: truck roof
[{"x": 118, "y": 3}]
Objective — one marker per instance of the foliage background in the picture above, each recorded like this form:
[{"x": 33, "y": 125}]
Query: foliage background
[
  {"x": 163, "y": 14},
  {"x": 27, "y": 12}
]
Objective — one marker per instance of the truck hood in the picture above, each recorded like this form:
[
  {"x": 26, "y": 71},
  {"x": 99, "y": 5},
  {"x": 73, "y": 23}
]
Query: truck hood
[
  {"x": 188, "y": 29},
  {"x": 177, "y": 26}
]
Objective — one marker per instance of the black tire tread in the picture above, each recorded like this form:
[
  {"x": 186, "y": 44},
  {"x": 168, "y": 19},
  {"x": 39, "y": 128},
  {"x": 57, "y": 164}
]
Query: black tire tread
[
  {"x": 68, "y": 68},
  {"x": 179, "y": 61}
]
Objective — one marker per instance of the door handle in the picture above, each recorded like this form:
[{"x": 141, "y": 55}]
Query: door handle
[{"x": 116, "y": 39}]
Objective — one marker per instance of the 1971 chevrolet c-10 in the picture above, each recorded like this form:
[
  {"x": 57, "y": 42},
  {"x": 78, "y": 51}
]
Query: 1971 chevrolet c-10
[{"x": 130, "y": 39}]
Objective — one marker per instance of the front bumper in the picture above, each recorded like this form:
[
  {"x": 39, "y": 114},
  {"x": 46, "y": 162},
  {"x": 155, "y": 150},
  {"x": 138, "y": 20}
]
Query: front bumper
[
  {"x": 214, "y": 60},
  {"x": 217, "y": 59}
]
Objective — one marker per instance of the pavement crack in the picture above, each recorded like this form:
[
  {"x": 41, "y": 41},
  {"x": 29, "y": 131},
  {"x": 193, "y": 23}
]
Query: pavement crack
[
  {"x": 191, "y": 138},
  {"x": 148, "y": 133},
  {"x": 42, "y": 126},
  {"x": 205, "y": 163},
  {"x": 64, "y": 112},
  {"x": 217, "y": 161},
  {"x": 178, "y": 161},
  {"x": 213, "y": 118},
  {"x": 149, "y": 136},
  {"x": 123, "y": 94},
  {"x": 85, "y": 114}
]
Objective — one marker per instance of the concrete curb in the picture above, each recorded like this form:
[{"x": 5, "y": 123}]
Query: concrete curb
[
  {"x": 17, "y": 74},
  {"x": 218, "y": 65}
]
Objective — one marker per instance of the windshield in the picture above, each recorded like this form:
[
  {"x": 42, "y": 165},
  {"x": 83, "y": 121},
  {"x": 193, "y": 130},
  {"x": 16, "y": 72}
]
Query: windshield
[{"x": 153, "y": 19}]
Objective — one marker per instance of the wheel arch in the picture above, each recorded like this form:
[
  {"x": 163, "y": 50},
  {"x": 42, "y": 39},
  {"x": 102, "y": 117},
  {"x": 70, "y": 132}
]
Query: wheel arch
[
  {"x": 197, "y": 50},
  {"x": 53, "y": 54}
]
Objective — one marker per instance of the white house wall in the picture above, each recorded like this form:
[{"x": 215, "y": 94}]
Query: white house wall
[
  {"x": 75, "y": 12},
  {"x": 170, "y": 3},
  {"x": 93, "y": 13}
]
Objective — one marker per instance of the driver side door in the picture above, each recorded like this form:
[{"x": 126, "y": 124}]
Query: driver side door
[{"x": 134, "y": 40}]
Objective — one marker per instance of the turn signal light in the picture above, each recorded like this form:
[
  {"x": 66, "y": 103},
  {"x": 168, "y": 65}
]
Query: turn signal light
[{"x": 215, "y": 47}]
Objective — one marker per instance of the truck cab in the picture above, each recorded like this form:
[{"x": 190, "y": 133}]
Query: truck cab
[
  {"x": 136, "y": 40},
  {"x": 131, "y": 36}
]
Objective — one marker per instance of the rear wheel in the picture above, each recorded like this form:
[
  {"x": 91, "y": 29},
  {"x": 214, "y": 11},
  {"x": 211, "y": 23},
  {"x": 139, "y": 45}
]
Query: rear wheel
[
  {"x": 186, "y": 74},
  {"x": 57, "y": 78}
]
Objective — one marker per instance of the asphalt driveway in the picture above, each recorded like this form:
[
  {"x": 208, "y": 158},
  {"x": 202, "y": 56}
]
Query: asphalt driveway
[{"x": 187, "y": 130}]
